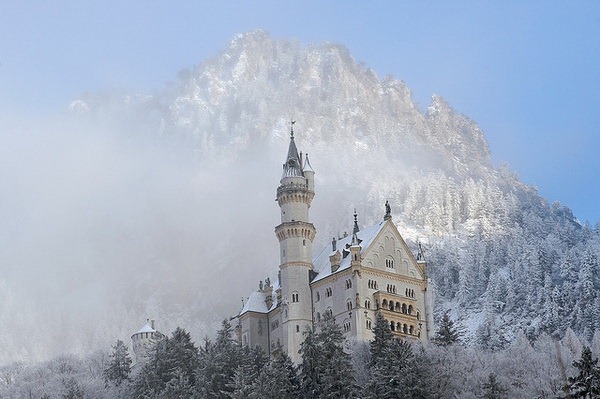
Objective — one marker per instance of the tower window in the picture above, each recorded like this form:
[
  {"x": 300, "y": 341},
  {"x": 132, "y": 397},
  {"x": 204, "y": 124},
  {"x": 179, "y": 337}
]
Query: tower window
[
  {"x": 295, "y": 297},
  {"x": 297, "y": 328},
  {"x": 304, "y": 242},
  {"x": 328, "y": 292},
  {"x": 318, "y": 297}
]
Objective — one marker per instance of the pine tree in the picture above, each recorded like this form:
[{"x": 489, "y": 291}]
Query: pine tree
[
  {"x": 587, "y": 383},
  {"x": 338, "y": 376},
  {"x": 218, "y": 364},
  {"x": 278, "y": 380},
  {"x": 394, "y": 371},
  {"x": 382, "y": 336},
  {"x": 171, "y": 368},
  {"x": 447, "y": 334},
  {"x": 311, "y": 367},
  {"x": 119, "y": 367}
]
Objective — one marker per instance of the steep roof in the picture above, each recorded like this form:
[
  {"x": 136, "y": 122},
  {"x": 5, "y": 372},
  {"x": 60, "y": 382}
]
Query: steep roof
[{"x": 321, "y": 263}]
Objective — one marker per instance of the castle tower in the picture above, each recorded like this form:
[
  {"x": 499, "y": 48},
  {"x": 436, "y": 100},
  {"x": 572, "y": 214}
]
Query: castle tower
[
  {"x": 295, "y": 235},
  {"x": 145, "y": 339}
]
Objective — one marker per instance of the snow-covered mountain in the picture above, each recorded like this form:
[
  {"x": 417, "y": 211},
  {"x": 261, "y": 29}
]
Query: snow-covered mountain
[{"x": 189, "y": 229}]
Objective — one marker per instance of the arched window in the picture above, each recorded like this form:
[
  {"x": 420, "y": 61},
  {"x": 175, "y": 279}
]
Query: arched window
[
  {"x": 367, "y": 304},
  {"x": 329, "y": 312},
  {"x": 404, "y": 308},
  {"x": 410, "y": 309},
  {"x": 349, "y": 304},
  {"x": 405, "y": 329},
  {"x": 392, "y": 326},
  {"x": 368, "y": 324},
  {"x": 411, "y": 330},
  {"x": 391, "y": 305},
  {"x": 384, "y": 303},
  {"x": 328, "y": 292},
  {"x": 397, "y": 307},
  {"x": 348, "y": 284},
  {"x": 318, "y": 297},
  {"x": 295, "y": 297}
]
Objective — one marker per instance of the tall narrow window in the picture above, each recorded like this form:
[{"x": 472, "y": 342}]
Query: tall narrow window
[{"x": 294, "y": 297}]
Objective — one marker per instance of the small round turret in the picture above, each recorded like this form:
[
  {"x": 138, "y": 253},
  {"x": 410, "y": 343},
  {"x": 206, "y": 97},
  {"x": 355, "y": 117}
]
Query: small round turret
[{"x": 145, "y": 339}]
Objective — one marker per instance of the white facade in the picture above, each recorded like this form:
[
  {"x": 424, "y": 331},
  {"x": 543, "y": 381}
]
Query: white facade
[{"x": 351, "y": 279}]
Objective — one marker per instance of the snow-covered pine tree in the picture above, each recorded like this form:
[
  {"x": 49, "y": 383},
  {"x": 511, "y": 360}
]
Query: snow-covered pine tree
[
  {"x": 587, "y": 383},
  {"x": 447, "y": 333},
  {"x": 218, "y": 362},
  {"x": 337, "y": 379},
  {"x": 119, "y": 367},
  {"x": 278, "y": 380}
]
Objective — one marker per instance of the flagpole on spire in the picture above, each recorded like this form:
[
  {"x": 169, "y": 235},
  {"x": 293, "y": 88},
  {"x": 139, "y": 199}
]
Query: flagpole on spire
[{"x": 292, "y": 128}]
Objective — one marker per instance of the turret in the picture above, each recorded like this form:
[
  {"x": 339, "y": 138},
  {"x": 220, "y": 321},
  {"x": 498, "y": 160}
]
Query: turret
[
  {"x": 295, "y": 235},
  {"x": 144, "y": 339}
]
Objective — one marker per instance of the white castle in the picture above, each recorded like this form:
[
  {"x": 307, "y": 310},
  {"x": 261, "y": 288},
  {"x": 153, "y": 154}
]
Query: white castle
[{"x": 355, "y": 277}]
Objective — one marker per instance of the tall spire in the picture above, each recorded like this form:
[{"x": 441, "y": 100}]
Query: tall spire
[
  {"x": 356, "y": 229},
  {"x": 293, "y": 165}
]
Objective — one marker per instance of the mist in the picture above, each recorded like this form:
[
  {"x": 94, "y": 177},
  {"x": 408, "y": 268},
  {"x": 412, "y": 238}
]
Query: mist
[{"x": 103, "y": 229}]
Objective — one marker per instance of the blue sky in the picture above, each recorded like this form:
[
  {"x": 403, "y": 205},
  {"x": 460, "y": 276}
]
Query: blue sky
[{"x": 527, "y": 72}]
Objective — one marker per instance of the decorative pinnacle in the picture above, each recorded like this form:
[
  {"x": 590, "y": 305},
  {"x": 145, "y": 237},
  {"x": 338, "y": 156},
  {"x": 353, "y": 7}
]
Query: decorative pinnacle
[
  {"x": 292, "y": 128},
  {"x": 355, "y": 230}
]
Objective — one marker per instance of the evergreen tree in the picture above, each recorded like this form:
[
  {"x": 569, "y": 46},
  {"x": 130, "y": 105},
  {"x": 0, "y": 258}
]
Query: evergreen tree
[
  {"x": 311, "y": 367},
  {"x": 279, "y": 380},
  {"x": 447, "y": 333},
  {"x": 326, "y": 370},
  {"x": 119, "y": 367},
  {"x": 492, "y": 389},
  {"x": 394, "y": 371},
  {"x": 171, "y": 368},
  {"x": 587, "y": 383},
  {"x": 337, "y": 380},
  {"x": 382, "y": 336},
  {"x": 218, "y": 364}
]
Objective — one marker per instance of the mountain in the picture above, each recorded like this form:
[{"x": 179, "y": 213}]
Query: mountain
[{"x": 179, "y": 225}]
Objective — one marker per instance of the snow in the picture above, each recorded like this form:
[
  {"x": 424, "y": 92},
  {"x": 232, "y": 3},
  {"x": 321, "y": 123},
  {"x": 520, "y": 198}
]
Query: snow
[
  {"x": 257, "y": 302},
  {"x": 147, "y": 328},
  {"x": 321, "y": 262}
]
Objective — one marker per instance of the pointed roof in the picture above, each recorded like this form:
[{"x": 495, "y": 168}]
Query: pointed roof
[
  {"x": 293, "y": 165},
  {"x": 307, "y": 165}
]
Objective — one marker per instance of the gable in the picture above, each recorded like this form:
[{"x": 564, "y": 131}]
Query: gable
[{"x": 388, "y": 252}]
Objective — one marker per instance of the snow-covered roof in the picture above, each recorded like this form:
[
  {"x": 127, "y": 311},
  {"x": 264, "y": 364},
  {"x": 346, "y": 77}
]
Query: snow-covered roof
[
  {"x": 147, "y": 328},
  {"x": 321, "y": 262}
]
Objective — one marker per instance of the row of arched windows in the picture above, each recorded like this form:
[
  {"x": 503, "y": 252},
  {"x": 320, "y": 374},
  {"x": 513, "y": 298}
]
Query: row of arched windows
[
  {"x": 389, "y": 263},
  {"x": 391, "y": 288},
  {"x": 402, "y": 328},
  {"x": 294, "y": 232},
  {"x": 372, "y": 284},
  {"x": 348, "y": 284},
  {"x": 397, "y": 307},
  {"x": 409, "y": 292}
]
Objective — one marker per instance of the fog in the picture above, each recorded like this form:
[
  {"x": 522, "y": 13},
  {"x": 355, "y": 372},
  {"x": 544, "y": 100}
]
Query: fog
[{"x": 102, "y": 229}]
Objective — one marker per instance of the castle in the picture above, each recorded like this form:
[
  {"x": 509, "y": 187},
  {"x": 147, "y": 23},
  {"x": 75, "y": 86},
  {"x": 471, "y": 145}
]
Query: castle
[{"x": 352, "y": 279}]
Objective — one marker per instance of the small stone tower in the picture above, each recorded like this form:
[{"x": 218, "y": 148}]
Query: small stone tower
[
  {"x": 295, "y": 235},
  {"x": 145, "y": 339}
]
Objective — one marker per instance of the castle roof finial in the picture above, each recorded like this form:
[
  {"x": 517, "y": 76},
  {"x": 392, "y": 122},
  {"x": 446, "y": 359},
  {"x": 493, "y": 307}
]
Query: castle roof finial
[
  {"x": 356, "y": 229},
  {"x": 292, "y": 128}
]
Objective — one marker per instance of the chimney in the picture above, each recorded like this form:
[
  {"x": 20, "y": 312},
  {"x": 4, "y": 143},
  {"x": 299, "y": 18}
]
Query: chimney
[{"x": 333, "y": 245}]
